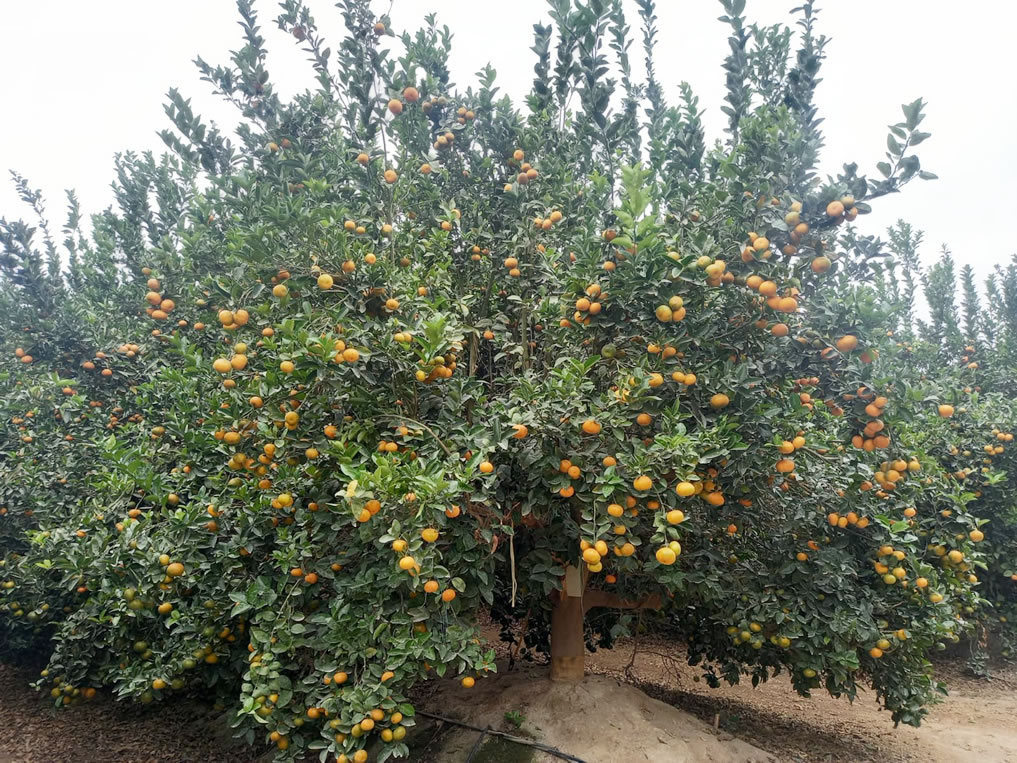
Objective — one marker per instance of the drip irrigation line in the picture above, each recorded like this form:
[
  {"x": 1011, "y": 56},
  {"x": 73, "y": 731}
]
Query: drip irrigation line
[{"x": 509, "y": 737}]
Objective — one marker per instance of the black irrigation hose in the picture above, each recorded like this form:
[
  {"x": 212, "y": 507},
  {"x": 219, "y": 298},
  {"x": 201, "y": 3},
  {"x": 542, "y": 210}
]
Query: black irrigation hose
[
  {"x": 514, "y": 739},
  {"x": 476, "y": 745}
]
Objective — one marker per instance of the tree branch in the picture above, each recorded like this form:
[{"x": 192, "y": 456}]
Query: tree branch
[{"x": 598, "y": 598}]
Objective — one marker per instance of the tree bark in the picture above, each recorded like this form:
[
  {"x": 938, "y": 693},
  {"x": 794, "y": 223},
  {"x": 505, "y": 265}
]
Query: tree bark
[{"x": 568, "y": 645}]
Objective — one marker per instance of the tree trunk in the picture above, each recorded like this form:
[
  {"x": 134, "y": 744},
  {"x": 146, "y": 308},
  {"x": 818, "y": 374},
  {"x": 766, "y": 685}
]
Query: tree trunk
[{"x": 568, "y": 647}]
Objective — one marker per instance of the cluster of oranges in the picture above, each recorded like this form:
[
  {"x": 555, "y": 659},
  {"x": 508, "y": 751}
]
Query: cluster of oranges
[
  {"x": 873, "y": 435},
  {"x": 546, "y": 223},
  {"x": 673, "y": 311},
  {"x": 842, "y": 209},
  {"x": 439, "y": 367},
  {"x": 159, "y": 307},
  {"x": 843, "y": 520},
  {"x": 231, "y": 320},
  {"x": 526, "y": 174},
  {"x": 129, "y": 350},
  {"x": 783, "y": 304},
  {"x": 588, "y": 305},
  {"x": 594, "y": 551},
  {"x": 887, "y": 566},
  {"x": 752, "y": 636},
  {"x": 787, "y": 448},
  {"x": 476, "y": 253},
  {"x": 997, "y": 447},
  {"x": 512, "y": 264},
  {"x": 892, "y": 472}
]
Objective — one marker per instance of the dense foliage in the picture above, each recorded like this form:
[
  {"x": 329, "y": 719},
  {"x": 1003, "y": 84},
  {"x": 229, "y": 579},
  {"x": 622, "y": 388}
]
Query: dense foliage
[{"x": 308, "y": 400}]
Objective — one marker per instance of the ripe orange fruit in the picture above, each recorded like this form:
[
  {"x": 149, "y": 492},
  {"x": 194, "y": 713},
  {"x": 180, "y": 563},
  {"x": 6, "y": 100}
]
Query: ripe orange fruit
[
  {"x": 946, "y": 411},
  {"x": 395, "y": 106},
  {"x": 590, "y": 426},
  {"x": 847, "y": 343},
  {"x": 834, "y": 209},
  {"x": 666, "y": 555},
  {"x": 486, "y": 467},
  {"x": 642, "y": 483},
  {"x": 719, "y": 401}
]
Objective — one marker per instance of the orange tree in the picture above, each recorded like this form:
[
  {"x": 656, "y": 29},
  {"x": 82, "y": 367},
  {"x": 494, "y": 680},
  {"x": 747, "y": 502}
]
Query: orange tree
[
  {"x": 402, "y": 354},
  {"x": 955, "y": 370}
]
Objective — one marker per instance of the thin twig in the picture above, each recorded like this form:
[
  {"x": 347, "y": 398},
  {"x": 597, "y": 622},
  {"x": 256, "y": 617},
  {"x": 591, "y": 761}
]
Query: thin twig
[
  {"x": 422, "y": 425},
  {"x": 512, "y": 564},
  {"x": 635, "y": 645}
]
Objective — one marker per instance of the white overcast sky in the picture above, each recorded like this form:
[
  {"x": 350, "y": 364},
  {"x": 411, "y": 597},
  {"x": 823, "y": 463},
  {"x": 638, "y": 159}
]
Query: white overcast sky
[{"x": 83, "y": 80}]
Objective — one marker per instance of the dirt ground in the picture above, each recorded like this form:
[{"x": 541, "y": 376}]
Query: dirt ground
[
  {"x": 603, "y": 720},
  {"x": 104, "y": 731},
  {"x": 975, "y": 722}
]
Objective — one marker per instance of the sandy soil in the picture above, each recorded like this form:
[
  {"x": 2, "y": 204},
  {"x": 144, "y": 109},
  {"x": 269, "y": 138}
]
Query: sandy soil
[{"x": 599, "y": 720}]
